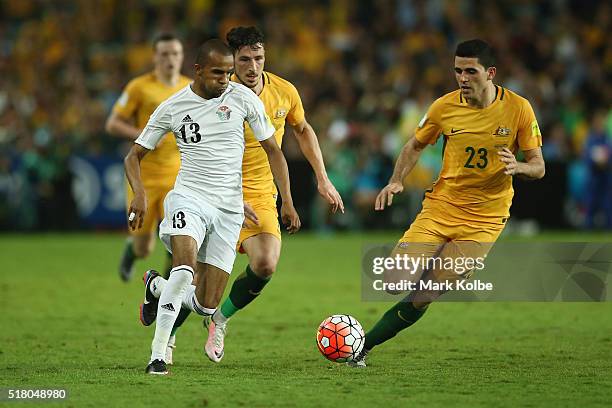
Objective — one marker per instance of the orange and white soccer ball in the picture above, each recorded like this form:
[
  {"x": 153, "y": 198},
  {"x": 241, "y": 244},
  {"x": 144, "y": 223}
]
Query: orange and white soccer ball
[{"x": 340, "y": 338}]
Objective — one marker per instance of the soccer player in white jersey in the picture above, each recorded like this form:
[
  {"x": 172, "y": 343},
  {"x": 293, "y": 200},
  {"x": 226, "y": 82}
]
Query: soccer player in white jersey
[{"x": 204, "y": 210}]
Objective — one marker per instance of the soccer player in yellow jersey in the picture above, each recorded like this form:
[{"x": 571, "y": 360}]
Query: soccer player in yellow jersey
[
  {"x": 483, "y": 126},
  {"x": 130, "y": 114},
  {"x": 262, "y": 242}
]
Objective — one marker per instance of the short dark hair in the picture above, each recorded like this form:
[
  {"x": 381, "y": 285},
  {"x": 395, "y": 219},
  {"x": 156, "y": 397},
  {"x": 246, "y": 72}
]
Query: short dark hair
[
  {"x": 164, "y": 37},
  {"x": 477, "y": 48},
  {"x": 210, "y": 46},
  {"x": 239, "y": 37}
]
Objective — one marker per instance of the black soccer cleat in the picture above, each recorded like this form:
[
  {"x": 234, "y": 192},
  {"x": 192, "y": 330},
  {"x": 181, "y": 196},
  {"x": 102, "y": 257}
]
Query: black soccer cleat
[
  {"x": 148, "y": 308},
  {"x": 157, "y": 367},
  {"x": 127, "y": 262}
]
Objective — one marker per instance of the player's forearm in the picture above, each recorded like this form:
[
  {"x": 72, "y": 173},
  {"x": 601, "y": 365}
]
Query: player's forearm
[
  {"x": 132, "y": 172},
  {"x": 309, "y": 145},
  {"x": 119, "y": 128},
  {"x": 532, "y": 170},
  {"x": 406, "y": 161},
  {"x": 280, "y": 171}
]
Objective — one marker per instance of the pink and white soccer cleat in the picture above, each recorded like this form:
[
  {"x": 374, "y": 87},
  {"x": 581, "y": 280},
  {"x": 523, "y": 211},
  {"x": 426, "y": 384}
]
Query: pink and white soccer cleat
[{"x": 214, "y": 344}]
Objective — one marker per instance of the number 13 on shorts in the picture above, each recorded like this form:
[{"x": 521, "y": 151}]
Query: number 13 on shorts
[{"x": 178, "y": 220}]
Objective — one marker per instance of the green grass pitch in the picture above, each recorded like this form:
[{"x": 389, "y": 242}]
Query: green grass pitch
[{"x": 67, "y": 321}]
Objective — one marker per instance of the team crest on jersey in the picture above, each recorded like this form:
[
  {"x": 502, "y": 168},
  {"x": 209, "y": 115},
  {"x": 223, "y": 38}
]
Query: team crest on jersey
[
  {"x": 502, "y": 131},
  {"x": 280, "y": 113},
  {"x": 224, "y": 112}
]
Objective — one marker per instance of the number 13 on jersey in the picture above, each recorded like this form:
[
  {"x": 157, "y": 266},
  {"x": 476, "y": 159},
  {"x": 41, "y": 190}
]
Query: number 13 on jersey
[{"x": 194, "y": 131}]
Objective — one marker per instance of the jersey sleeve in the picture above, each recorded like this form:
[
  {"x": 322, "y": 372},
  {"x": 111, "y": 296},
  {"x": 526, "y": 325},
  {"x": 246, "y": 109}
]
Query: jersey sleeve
[
  {"x": 429, "y": 128},
  {"x": 529, "y": 135},
  {"x": 296, "y": 113},
  {"x": 258, "y": 118},
  {"x": 158, "y": 125},
  {"x": 129, "y": 101}
]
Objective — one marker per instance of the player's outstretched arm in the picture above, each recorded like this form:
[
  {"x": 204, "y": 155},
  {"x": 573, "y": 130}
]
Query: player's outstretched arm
[
  {"x": 309, "y": 145},
  {"x": 138, "y": 206},
  {"x": 532, "y": 168},
  {"x": 405, "y": 163},
  {"x": 278, "y": 165},
  {"x": 118, "y": 126}
]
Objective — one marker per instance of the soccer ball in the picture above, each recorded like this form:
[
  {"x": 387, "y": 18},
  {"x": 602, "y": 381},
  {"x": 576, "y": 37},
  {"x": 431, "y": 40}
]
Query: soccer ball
[{"x": 340, "y": 338}]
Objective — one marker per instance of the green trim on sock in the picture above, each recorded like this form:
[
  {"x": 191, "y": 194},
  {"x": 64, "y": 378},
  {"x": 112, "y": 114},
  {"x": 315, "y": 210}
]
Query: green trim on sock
[
  {"x": 245, "y": 289},
  {"x": 228, "y": 309}
]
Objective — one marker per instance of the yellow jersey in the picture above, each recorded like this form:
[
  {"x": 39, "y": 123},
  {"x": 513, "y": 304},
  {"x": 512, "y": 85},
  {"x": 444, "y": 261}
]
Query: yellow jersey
[
  {"x": 472, "y": 176},
  {"x": 283, "y": 104},
  {"x": 139, "y": 99}
]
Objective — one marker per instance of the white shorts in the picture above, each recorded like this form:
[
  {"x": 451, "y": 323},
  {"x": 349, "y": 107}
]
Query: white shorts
[{"x": 215, "y": 231}]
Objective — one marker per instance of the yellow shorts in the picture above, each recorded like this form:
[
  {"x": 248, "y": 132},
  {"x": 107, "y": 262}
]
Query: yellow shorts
[
  {"x": 265, "y": 208},
  {"x": 156, "y": 193},
  {"x": 441, "y": 231},
  {"x": 440, "y": 222}
]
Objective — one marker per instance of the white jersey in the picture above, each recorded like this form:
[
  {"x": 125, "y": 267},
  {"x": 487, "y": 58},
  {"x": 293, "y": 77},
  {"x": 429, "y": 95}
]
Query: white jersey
[{"x": 210, "y": 137}]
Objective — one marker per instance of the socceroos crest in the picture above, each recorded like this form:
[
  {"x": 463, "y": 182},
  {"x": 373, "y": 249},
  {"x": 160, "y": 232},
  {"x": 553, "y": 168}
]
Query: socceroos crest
[
  {"x": 502, "y": 131},
  {"x": 280, "y": 113},
  {"x": 224, "y": 112}
]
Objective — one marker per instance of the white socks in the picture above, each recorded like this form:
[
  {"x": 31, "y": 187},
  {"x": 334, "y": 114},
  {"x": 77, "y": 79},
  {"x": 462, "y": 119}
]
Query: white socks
[
  {"x": 189, "y": 300},
  {"x": 189, "y": 293},
  {"x": 168, "y": 308}
]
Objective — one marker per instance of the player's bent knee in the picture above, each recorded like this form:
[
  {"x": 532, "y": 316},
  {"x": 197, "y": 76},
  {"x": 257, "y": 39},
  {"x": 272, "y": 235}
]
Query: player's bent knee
[{"x": 264, "y": 267}]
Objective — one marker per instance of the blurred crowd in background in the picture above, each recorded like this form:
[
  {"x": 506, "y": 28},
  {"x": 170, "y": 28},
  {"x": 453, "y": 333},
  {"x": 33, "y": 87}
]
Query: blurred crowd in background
[{"x": 366, "y": 70}]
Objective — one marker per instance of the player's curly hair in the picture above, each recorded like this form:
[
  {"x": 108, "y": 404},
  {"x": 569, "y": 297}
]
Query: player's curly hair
[
  {"x": 239, "y": 37},
  {"x": 477, "y": 48}
]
